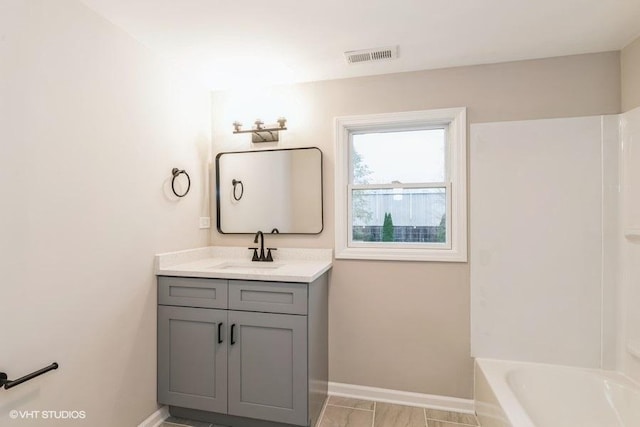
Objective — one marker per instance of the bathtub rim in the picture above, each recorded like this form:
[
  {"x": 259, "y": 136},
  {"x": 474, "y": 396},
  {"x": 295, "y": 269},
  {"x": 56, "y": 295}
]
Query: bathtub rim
[{"x": 495, "y": 373}]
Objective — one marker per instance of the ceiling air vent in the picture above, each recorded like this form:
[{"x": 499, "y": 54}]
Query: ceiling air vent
[{"x": 369, "y": 55}]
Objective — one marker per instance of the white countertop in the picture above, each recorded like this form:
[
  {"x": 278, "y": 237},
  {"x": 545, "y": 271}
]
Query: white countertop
[{"x": 230, "y": 262}]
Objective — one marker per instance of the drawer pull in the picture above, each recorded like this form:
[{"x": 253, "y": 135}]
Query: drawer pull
[
  {"x": 220, "y": 333},
  {"x": 233, "y": 338}
]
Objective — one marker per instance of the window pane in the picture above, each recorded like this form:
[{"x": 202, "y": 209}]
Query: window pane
[
  {"x": 414, "y": 215},
  {"x": 403, "y": 157}
]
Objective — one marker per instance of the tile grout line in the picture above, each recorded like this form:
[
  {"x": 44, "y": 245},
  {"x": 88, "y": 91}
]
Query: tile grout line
[
  {"x": 324, "y": 407},
  {"x": 350, "y": 407},
  {"x": 373, "y": 419},
  {"x": 457, "y": 423},
  {"x": 426, "y": 422}
]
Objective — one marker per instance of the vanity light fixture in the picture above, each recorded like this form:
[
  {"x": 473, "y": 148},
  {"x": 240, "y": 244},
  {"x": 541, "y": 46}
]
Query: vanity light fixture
[{"x": 259, "y": 133}]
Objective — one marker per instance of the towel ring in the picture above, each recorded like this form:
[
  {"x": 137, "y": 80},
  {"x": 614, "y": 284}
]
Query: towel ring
[
  {"x": 177, "y": 172},
  {"x": 236, "y": 182}
]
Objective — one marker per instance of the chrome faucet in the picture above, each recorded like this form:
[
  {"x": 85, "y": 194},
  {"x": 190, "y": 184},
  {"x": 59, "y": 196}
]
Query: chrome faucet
[{"x": 261, "y": 257}]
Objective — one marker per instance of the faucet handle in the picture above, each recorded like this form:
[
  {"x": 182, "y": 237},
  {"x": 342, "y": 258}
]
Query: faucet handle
[
  {"x": 269, "y": 258},
  {"x": 255, "y": 254}
]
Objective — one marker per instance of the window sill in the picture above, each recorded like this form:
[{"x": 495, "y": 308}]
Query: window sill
[{"x": 393, "y": 254}]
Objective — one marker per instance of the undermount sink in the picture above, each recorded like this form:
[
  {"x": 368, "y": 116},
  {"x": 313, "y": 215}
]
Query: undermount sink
[{"x": 244, "y": 265}]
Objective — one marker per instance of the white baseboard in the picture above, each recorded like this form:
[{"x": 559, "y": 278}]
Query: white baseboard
[
  {"x": 402, "y": 397},
  {"x": 155, "y": 419}
]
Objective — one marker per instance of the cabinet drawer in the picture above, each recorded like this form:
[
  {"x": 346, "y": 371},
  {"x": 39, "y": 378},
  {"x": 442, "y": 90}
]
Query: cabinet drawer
[
  {"x": 192, "y": 292},
  {"x": 269, "y": 297}
]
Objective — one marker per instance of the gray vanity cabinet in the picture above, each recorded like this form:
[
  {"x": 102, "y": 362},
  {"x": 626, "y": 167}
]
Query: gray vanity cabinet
[
  {"x": 192, "y": 358},
  {"x": 250, "y": 362}
]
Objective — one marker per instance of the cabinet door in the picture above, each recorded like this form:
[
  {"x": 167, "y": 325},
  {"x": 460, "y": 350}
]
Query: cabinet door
[
  {"x": 268, "y": 366},
  {"x": 192, "y": 362}
]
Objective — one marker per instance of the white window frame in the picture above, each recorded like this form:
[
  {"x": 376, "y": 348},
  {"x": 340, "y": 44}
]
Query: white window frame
[{"x": 455, "y": 248}]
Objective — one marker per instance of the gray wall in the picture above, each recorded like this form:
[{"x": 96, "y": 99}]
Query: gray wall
[
  {"x": 630, "y": 71},
  {"x": 405, "y": 325},
  {"x": 91, "y": 123}
]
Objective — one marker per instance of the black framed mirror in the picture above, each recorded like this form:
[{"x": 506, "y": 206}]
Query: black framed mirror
[{"x": 270, "y": 189}]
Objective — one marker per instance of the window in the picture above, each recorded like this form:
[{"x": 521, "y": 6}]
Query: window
[{"x": 401, "y": 186}]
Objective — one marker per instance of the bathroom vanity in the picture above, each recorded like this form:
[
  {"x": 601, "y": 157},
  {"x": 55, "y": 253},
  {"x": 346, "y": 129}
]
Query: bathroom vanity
[{"x": 242, "y": 343}]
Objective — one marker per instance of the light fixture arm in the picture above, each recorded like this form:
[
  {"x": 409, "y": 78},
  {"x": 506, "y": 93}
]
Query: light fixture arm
[{"x": 261, "y": 133}]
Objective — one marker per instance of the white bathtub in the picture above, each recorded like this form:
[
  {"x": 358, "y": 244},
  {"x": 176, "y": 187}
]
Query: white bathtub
[{"x": 518, "y": 394}]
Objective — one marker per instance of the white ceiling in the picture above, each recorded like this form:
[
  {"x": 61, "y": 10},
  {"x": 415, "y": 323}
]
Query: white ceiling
[{"x": 230, "y": 43}]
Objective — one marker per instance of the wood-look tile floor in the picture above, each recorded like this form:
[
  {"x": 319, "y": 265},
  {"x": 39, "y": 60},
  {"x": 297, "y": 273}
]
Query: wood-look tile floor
[{"x": 347, "y": 412}]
